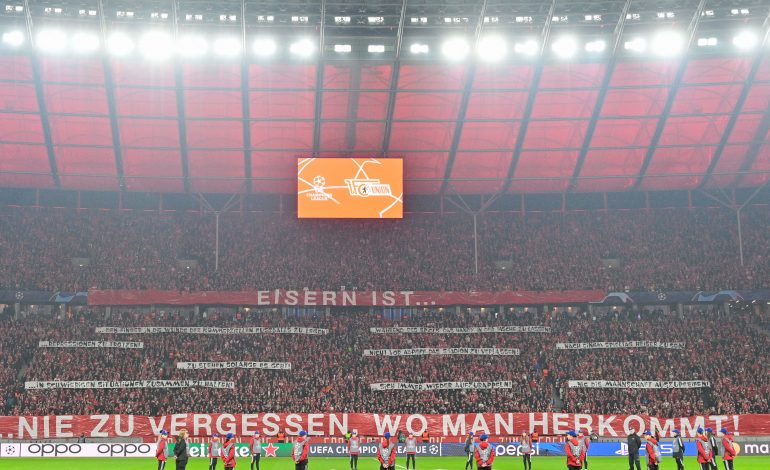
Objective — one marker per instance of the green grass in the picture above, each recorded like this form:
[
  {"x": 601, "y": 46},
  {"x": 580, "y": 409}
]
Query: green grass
[{"x": 366, "y": 463}]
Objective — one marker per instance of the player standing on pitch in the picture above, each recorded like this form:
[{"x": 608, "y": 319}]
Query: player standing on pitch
[
  {"x": 705, "y": 452},
  {"x": 180, "y": 450},
  {"x": 634, "y": 444},
  {"x": 354, "y": 448},
  {"x": 386, "y": 453},
  {"x": 469, "y": 451},
  {"x": 161, "y": 450},
  {"x": 214, "y": 447},
  {"x": 585, "y": 439},
  {"x": 485, "y": 454},
  {"x": 575, "y": 451},
  {"x": 300, "y": 450},
  {"x": 411, "y": 450},
  {"x": 728, "y": 455},
  {"x": 714, "y": 448},
  {"x": 653, "y": 451},
  {"x": 255, "y": 449},
  {"x": 678, "y": 449},
  {"x": 526, "y": 450},
  {"x": 228, "y": 451}
]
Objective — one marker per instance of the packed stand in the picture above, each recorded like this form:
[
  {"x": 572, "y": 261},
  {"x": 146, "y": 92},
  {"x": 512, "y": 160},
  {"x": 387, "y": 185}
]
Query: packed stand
[
  {"x": 665, "y": 249},
  {"x": 330, "y": 373}
]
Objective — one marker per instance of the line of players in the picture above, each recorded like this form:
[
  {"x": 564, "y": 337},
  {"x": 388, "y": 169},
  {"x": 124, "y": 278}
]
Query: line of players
[{"x": 576, "y": 449}]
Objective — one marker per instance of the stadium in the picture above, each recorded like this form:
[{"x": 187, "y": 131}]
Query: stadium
[{"x": 397, "y": 234}]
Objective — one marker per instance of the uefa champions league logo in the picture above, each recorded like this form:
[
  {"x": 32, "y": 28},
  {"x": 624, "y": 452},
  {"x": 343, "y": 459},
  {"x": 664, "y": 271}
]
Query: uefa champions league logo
[{"x": 10, "y": 450}]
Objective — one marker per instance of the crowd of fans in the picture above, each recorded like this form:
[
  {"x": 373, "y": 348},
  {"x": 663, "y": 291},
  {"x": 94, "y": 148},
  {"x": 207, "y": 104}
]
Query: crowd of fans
[
  {"x": 666, "y": 249},
  {"x": 330, "y": 372}
]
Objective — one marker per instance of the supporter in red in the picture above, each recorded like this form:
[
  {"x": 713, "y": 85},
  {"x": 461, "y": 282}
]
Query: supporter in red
[
  {"x": 300, "y": 451},
  {"x": 485, "y": 453},
  {"x": 653, "y": 451},
  {"x": 728, "y": 456},
  {"x": 214, "y": 447},
  {"x": 386, "y": 453},
  {"x": 705, "y": 452},
  {"x": 228, "y": 451},
  {"x": 160, "y": 450},
  {"x": 575, "y": 451}
]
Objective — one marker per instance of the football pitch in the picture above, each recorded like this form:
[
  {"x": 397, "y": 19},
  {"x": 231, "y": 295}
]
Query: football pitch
[{"x": 366, "y": 463}]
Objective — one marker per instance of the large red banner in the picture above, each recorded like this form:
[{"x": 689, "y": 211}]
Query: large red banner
[
  {"x": 341, "y": 298},
  {"x": 336, "y": 424}
]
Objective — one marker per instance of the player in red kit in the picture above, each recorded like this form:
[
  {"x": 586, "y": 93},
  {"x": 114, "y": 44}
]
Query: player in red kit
[
  {"x": 705, "y": 452},
  {"x": 575, "y": 451},
  {"x": 228, "y": 451},
  {"x": 484, "y": 453},
  {"x": 729, "y": 445},
  {"x": 386, "y": 453},
  {"x": 160, "y": 450},
  {"x": 653, "y": 451},
  {"x": 300, "y": 450}
]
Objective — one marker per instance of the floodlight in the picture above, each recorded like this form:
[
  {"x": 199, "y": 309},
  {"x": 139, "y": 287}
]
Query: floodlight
[
  {"x": 264, "y": 47},
  {"x": 668, "y": 44},
  {"x": 84, "y": 43},
  {"x": 192, "y": 45},
  {"x": 455, "y": 49},
  {"x": 120, "y": 44},
  {"x": 565, "y": 47},
  {"x": 227, "y": 46},
  {"x": 636, "y": 45},
  {"x": 51, "y": 40},
  {"x": 302, "y": 48},
  {"x": 13, "y": 38},
  {"x": 596, "y": 46},
  {"x": 492, "y": 48},
  {"x": 376, "y": 48},
  {"x": 156, "y": 45},
  {"x": 528, "y": 47},
  {"x": 418, "y": 48},
  {"x": 707, "y": 42},
  {"x": 745, "y": 40}
]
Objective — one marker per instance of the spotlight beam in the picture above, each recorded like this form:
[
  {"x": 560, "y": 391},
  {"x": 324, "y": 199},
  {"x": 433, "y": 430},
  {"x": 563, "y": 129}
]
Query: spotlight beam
[
  {"x": 470, "y": 77},
  {"x": 40, "y": 96},
  {"x": 245, "y": 103},
  {"x": 319, "y": 83},
  {"x": 666, "y": 112},
  {"x": 180, "y": 103},
  {"x": 395, "y": 72},
  {"x": 617, "y": 39}
]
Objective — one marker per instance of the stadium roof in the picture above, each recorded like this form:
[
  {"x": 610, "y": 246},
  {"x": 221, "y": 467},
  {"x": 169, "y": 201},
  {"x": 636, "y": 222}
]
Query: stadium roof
[{"x": 476, "y": 96}]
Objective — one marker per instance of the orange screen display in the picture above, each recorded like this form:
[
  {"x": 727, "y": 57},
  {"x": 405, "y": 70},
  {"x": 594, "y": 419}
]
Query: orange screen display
[{"x": 350, "y": 188}]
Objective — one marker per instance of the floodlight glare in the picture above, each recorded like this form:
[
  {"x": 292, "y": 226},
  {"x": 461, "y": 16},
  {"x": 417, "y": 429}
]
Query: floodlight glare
[
  {"x": 264, "y": 47},
  {"x": 668, "y": 44},
  {"x": 745, "y": 40},
  {"x": 302, "y": 48},
  {"x": 455, "y": 49},
  {"x": 51, "y": 40},
  {"x": 596, "y": 46},
  {"x": 418, "y": 48},
  {"x": 707, "y": 42},
  {"x": 492, "y": 48},
  {"x": 84, "y": 43},
  {"x": 192, "y": 45},
  {"x": 528, "y": 47},
  {"x": 636, "y": 45},
  {"x": 156, "y": 45},
  {"x": 565, "y": 47},
  {"x": 13, "y": 38},
  {"x": 376, "y": 48},
  {"x": 227, "y": 46},
  {"x": 120, "y": 44}
]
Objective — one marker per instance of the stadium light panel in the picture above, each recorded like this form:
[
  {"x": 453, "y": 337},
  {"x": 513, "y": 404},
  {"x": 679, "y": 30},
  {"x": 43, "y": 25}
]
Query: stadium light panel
[
  {"x": 156, "y": 45},
  {"x": 120, "y": 44},
  {"x": 565, "y": 47},
  {"x": 51, "y": 40},
  {"x": 528, "y": 47},
  {"x": 418, "y": 48},
  {"x": 376, "y": 48},
  {"x": 707, "y": 42},
  {"x": 745, "y": 40},
  {"x": 302, "y": 48},
  {"x": 13, "y": 38},
  {"x": 342, "y": 48},
  {"x": 227, "y": 46},
  {"x": 455, "y": 49},
  {"x": 492, "y": 48},
  {"x": 636, "y": 45},
  {"x": 85, "y": 43},
  {"x": 264, "y": 47},
  {"x": 192, "y": 45},
  {"x": 596, "y": 46},
  {"x": 668, "y": 44}
]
